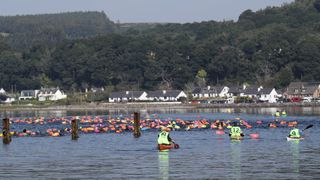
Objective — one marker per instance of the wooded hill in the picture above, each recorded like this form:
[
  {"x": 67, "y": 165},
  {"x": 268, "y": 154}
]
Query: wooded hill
[
  {"x": 271, "y": 47},
  {"x": 28, "y": 30}
]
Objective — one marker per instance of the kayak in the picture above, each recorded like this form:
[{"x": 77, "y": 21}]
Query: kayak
[
  {"x": 294, "y": 139},
  {"x": 254, "y": 136},
  {"x": 236, "y": 138},
  {"x": 163, "y": 147},
  {"x": 220, "y": 132}
]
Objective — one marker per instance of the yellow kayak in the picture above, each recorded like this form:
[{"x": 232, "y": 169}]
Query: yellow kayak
[{"x": 236, "y": 138}]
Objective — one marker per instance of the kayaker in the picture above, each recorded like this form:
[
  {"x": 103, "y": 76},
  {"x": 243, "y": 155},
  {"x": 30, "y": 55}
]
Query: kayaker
[
  {"x": 220, "y": 125},
  {"x": 164, "y": 137},
  {"x": 235, "y": 131},
  {"x": 277, "y": 114},
  {"x": 295, "y": 133},
  {"x": 284, "y": 113}
]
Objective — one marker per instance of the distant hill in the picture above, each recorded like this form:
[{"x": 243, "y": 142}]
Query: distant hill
[
  {"x": 270, "y": 47},
  {"x": 27, "y": 30},
  {"x": 133, "y": 27}
]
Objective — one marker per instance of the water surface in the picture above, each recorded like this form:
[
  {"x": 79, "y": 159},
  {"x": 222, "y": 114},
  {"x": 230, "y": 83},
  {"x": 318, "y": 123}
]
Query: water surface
[{"x": 202, "y": 153}]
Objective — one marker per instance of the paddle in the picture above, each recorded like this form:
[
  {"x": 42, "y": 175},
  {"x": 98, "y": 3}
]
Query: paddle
[
  {"x": 310, "y": 126},
  {"x": 176, "y": 146}
]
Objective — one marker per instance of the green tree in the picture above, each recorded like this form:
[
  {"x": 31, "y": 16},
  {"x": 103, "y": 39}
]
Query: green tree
[{"x": 201, "y": 78}]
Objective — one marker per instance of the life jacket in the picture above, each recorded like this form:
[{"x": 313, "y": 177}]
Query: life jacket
[
  {"x": 283, "y": 113},
  {"x": 277, "y": 114},
  {"x": 294, "y": 133},
  {"x": 163, "y": 138},
  {"x": 235, "y": 131}
]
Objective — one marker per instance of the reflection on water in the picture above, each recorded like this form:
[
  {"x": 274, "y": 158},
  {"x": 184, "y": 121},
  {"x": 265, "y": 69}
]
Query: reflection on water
[
  {"x": 291, "y": 111},
  {"x": 163, "y": 158},
  {"x": 235, "y": 146},
  {"x": 294, "y": 149}
]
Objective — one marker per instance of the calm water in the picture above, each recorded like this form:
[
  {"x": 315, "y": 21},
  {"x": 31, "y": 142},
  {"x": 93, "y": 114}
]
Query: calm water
[{"x": 202, "y": 153}]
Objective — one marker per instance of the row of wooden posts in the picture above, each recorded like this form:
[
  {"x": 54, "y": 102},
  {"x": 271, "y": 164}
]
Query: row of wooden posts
[{"x": 74, "y": 127}]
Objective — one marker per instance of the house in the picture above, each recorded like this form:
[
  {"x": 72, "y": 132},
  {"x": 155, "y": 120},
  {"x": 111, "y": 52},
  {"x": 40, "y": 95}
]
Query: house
[
  {"x": 269, "y": 95},
  {"x": 97, "y": 90},
  {"x": 166, "y": 95},
  {"x": 210, "y": 91},
  {"x": 9, "y": 100},
  {"x": 235, "y": 91},
  {"x": 126, "y": 96},
  {"x": 251, "y": 92},
  {"x": 28, "y": 94},
  {"x": 302, "y": 89},
  {"x": 2, "y": 91},
  {"x": 5, "y": 98},
  {"x": 51, "y": 94}
]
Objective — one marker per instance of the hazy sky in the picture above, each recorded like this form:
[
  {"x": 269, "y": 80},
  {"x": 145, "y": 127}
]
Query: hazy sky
[{"x": 142, "y": 10}]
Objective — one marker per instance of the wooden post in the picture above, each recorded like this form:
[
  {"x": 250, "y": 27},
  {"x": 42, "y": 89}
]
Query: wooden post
[
  {"x": 136, "y": 131},
  {"x": 6, "y": 131},
  {"x": 74, "y": 129}
]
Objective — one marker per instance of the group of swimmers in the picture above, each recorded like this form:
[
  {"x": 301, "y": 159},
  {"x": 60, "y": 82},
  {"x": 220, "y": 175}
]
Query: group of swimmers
[{"x": 101, "y": 124}]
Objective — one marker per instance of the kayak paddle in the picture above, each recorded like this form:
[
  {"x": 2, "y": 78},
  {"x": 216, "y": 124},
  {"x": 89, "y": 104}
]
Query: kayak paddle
[
  {"x": 176, "y": 146},
  {"x": 310, "y": 126}
]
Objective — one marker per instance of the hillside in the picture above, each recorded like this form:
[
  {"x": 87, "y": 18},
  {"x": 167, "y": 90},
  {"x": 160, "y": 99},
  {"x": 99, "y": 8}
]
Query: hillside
[
  {"x": 25, "y": 31},
  {"x": 270, "y": 47}
]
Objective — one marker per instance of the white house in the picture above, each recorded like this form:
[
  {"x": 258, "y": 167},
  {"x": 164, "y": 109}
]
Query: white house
[
  {"x": 2, "y": 91},
  {"x": 210, "y": 91},
  {"x": 252, "y": 92},
  {"x": 28, "y": 94},
  {"x": 235, "y": 91},
  {"x": 166, "y": 95},
  {"x": 269, "y": 95},
  {"x": 223, "y": 91},
  {"x": 51, "y": 94},
  {"x": 97, "y": 90},
  {"x": 9, "y": 100},
  {"x": 5, "y": 98},
  {"x": 126, "y": 96}
]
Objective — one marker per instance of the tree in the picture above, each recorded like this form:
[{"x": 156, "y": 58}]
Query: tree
[
  {"x": 316, "y": 5},
  {"x": 285, "y": 77},
  {"x": 201, "y": 78}
]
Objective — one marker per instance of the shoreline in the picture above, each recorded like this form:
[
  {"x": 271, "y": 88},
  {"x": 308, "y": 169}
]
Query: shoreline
[{"x": 158, "y": 105}]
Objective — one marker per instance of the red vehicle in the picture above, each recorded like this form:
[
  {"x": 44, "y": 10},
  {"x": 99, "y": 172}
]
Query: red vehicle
[{"x": 295, "y": 99}]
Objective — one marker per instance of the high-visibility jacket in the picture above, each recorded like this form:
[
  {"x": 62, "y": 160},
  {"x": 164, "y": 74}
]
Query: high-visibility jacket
[
  {"x": 295, "y": 133},
  {"x": 235, "y": 131},
  {"x": 163, "y": 138}
]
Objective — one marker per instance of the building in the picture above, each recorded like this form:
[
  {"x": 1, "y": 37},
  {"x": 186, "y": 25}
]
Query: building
[
  {"x": 210, "y": 91},
  {"x": 2, "y": 91},
  {"x": 235, "y": 91},
  {"x": 251, "y": 92},
  {"x": 126, "y": 96},
  {"x": 302, "y": 90},
  {"x": 166, "y": 95},
  {"x": 269, "y": 95},
  {"x": 97, "y": 90},
  {"x": 51, "y": 94},
  {"x": 28, "y": 94}
]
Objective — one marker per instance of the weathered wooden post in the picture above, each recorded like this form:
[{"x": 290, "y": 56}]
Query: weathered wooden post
[
  {"x": 136, "y": 130},
  {"x": 74, "y": 129},
  {"x": 6, "y": 131}
]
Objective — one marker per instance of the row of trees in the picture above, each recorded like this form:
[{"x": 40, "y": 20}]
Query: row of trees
[{"x": 271, "y": 47}]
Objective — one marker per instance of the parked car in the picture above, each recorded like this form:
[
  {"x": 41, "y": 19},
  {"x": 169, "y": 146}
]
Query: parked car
[
  {"x": 306, "y": 99},
  {"x": 315, "y": 100},
  {"x": 296, "y": 99}
]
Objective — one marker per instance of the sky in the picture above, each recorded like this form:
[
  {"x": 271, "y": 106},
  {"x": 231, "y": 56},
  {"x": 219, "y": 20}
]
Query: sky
[{"x": 179, "y": 11}]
